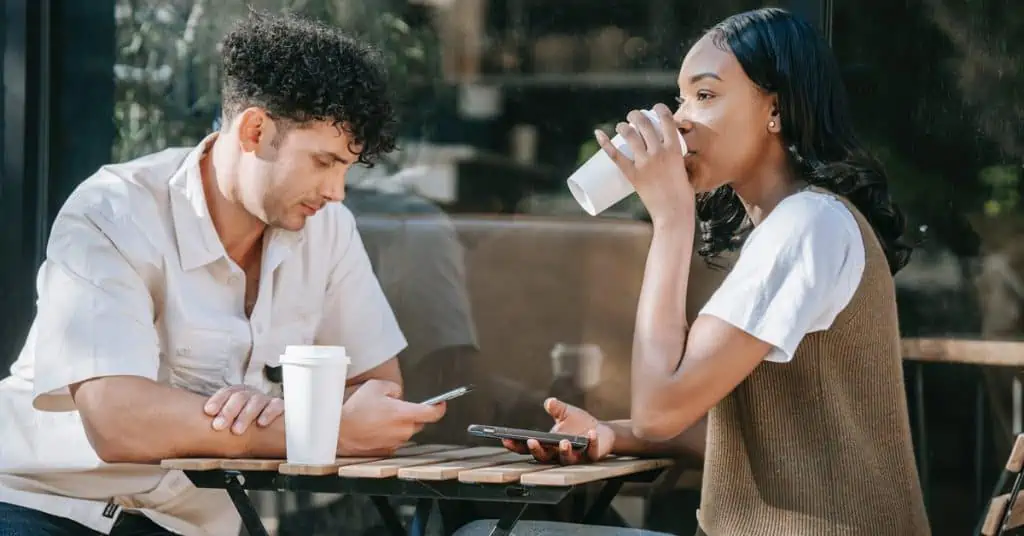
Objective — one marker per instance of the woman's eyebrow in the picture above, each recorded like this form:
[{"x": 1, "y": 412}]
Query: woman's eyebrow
[{"x": 700, "y": 76}]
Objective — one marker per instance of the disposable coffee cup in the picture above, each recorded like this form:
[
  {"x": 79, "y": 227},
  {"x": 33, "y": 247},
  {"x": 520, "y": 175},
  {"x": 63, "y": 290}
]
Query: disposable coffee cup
[
  {"x": 580, "y": 362},
  {"x": 598, "y": 184},
  {"x": 314, "y": 388}
]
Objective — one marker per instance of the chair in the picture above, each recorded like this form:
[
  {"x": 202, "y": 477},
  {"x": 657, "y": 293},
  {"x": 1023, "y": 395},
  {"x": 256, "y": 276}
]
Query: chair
[{"x": 1004, "y": 512}]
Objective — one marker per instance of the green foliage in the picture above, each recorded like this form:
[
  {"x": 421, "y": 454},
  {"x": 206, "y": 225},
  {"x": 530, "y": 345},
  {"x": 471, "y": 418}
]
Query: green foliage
[
  {"x": 1002, "y": 182},
  {"x": 167, "y": 67}
]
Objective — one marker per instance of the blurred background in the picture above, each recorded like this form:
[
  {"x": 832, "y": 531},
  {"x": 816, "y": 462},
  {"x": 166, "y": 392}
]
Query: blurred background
[{"x": 495, "y": 273}]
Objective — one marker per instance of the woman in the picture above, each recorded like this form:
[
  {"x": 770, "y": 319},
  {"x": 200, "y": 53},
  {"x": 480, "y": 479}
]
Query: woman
[{"x": 795, "y": 359}]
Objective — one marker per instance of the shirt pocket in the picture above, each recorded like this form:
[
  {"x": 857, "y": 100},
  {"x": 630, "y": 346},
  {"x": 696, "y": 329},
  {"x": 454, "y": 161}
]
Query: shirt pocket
[
  {"x": 296, "y": 326},
  {"x": 198, "y": 360}
]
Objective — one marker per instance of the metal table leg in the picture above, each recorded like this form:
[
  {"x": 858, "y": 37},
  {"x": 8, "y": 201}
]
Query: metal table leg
[
  {"x": 509, "y": 519},
  {"x": 388, "y": 515},
  {"x": 599, "y": 507},
  {"x": 1018, "y": 395},
  {"x": 922, "y": 432},
  {"x": 250, "y": 519}
]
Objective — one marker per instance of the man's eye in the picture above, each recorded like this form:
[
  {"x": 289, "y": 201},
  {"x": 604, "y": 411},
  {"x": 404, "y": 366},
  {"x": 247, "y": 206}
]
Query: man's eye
[{"x": 323, "y": 163}]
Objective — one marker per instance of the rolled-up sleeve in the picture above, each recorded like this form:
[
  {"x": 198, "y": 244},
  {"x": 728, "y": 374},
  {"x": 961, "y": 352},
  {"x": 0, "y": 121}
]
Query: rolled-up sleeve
[
  {"x": 94, "y": 317},
  {"x": 357, "y": 314}
]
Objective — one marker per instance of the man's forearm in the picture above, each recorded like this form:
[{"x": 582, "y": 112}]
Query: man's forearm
[
  {"x": 689, "y": 444},
  {"x": 130, "y": 419}
]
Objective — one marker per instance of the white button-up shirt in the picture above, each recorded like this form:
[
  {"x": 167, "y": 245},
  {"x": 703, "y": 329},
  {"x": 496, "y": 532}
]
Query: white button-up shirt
[{"x": 136, "y": 282}]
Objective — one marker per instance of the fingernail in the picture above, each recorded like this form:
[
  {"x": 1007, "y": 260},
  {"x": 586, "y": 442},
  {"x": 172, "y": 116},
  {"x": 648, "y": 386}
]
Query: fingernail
[
  {"x": 238, "y": 429},
  {"x": 208, "y": 408},
  {"x": 262, "y": 421},
  {"x": 218, "y": 423}
]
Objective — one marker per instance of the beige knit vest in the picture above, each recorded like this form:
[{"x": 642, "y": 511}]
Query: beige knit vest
[{"x": 821, "y": 445}]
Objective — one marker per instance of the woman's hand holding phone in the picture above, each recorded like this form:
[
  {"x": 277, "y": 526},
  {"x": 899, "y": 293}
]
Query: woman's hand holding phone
[{"x": 571, "y": 420}]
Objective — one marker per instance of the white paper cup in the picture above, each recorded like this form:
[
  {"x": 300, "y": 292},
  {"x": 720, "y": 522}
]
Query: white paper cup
[
  {"x": 598, "y": 184},
  {"x": 582, "y": 362},
  {"x": 314, "y": 388}
]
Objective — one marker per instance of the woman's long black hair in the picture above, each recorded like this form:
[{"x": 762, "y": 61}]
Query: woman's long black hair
[{"x": 785, "y": 55}]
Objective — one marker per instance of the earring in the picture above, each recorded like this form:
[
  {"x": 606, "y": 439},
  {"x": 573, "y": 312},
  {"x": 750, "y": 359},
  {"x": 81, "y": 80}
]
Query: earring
[{"x": 771, "y": 124}]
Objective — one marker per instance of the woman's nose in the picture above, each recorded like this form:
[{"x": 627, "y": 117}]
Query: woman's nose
[{"x": 683, "y": 123}]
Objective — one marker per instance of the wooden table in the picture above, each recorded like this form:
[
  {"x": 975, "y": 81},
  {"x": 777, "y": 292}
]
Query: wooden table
[
  {"x": 963, "y": 352},
  {"x": 429, "y": 473}
]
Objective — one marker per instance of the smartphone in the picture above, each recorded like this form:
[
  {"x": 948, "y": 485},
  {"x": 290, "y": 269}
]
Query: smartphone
[
  {"x": 450, "y": 395},
  {"x": 545, "y": 438}
]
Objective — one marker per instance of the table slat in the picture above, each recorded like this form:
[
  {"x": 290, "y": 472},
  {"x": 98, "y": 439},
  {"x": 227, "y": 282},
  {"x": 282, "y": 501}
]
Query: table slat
[
  {"x": 581, "y": 474},
  {"x": 191, "y": 464},
  {"x": 502, "y": 474},
  {"x": 389, "y": 467},
  {"x": 260, "y": 464},
  {"x": 250, "y": 464},
  {"x": 450, "y": 470},
  {"x": 331, "y": 469}
]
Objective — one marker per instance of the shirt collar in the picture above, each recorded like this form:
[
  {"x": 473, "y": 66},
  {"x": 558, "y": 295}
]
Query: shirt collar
[{"x": 198, "y": 242}]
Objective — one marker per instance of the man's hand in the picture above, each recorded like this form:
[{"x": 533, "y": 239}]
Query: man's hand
[
  {"x": 572, "y": 420},
  {"x": 238, "y": 406},
  {"x": 375, "y": 421}
]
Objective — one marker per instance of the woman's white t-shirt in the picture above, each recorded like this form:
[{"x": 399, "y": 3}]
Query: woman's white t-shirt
[{"x": 796, "y": 272}]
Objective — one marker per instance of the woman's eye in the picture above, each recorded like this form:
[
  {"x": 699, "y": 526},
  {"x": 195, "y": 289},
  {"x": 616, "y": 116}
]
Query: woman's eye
[
  {"x": 704, "y": 95},
  {"x": 322, "y": 163}
]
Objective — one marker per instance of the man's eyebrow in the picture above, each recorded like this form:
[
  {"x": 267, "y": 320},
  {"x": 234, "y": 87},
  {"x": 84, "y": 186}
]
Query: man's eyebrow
[
  {"x": 700, "y": 76},
  {"x": 335, "y": 156}
]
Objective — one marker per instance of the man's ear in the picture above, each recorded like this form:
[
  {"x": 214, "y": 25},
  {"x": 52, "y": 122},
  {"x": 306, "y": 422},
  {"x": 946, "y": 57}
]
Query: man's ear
[{"x": 257, "y": 132}]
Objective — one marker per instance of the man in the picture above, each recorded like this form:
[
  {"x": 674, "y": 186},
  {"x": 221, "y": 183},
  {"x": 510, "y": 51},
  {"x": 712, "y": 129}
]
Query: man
[{"x": 172, "y": 283}]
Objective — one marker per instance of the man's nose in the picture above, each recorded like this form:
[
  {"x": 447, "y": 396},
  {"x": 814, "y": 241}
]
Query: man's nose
[{"x": 333, "y": 189}]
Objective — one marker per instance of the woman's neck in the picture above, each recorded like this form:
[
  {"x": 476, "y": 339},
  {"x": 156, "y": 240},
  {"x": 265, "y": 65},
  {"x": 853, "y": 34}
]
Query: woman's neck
[{"x": 761, "y": 195}]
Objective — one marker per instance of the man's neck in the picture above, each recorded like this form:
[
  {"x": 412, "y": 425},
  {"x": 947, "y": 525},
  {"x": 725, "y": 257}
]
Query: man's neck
[{"x": 239, "y": 231}]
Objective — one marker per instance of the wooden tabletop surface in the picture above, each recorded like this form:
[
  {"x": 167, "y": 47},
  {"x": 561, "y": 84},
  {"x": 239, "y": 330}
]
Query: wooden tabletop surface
[
  {"x": 482, "y": 465},
  {"x": 965, "y": 351}
]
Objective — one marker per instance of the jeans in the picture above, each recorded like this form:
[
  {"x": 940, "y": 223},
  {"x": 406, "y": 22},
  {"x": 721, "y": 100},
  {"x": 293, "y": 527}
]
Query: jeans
[{"x": 21, "y": 521}]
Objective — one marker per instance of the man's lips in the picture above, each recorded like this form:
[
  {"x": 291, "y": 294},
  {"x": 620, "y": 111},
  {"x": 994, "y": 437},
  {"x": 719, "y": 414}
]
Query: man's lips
[{"x": 310, "y": 209}]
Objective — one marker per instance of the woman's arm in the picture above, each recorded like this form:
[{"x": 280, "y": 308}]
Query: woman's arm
[
  {"x": 689, "y": 444},
  {"x": 793, "y": 277}
]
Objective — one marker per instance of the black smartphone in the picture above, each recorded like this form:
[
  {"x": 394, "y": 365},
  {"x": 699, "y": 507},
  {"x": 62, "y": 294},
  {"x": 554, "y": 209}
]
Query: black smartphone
[
  {"x": 545, "y": 438},
  {"x": 450, "y": 395}
]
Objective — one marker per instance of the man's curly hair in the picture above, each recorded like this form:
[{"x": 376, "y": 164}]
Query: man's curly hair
[{"x": 302, "y": 71}]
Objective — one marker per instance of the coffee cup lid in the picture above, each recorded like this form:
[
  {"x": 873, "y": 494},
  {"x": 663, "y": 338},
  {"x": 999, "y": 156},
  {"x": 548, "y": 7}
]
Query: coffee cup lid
[
  {"x": 325, "y": 360},
  {"x": 303, "y": 354},
  {"x": 298, "y": 350}
]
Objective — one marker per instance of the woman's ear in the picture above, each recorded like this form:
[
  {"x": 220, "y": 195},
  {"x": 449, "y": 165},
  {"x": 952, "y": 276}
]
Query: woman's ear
[{"x": 774, "y": 118}]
